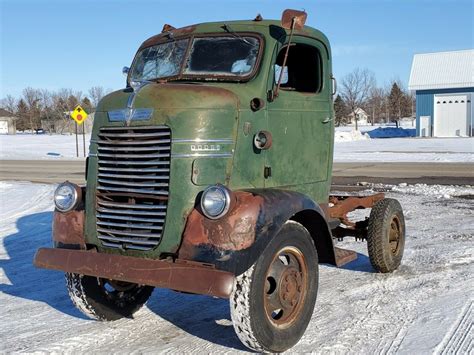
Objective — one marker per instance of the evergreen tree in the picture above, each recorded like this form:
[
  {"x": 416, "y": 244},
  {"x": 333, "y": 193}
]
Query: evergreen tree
[
  {"x": 23, "y": 115},
  {"x": 87, "y": 105},
  {"x": 340, "y": 110}
]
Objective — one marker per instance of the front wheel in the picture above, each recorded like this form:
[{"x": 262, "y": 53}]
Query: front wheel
[
  {"x": 272, "y": 302},
  {"x": 106, "y": 300}
]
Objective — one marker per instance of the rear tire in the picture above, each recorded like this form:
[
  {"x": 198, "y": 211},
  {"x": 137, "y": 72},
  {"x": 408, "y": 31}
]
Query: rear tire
[
  {"x": 386, "y": 235},
  {"x": 106, "y": 300},
  {"x": 273, "y": 301}
]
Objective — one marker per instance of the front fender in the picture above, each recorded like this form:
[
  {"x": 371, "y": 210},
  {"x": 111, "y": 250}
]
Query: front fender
[{"x": 234, "y": 242}]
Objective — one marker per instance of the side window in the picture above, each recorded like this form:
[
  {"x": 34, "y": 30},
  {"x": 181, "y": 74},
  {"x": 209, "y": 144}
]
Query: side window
[{"x": 303, "y": 71}]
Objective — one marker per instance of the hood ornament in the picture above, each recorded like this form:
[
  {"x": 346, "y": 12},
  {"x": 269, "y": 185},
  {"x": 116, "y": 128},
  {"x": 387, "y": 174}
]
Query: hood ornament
[{"x": 132, "y": 114}]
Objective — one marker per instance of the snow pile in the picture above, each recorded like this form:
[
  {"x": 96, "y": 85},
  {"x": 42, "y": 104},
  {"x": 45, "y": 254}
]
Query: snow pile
[
  {"x": 437, "y": 191},
  {"x": 351, "y": 136},
  {"x": 391, "y": 132}
]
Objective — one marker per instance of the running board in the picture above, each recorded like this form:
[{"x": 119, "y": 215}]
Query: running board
[{"x": 344, "y": 256}]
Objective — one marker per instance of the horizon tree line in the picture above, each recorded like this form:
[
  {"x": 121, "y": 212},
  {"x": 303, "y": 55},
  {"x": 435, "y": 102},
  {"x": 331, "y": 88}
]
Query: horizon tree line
[
  {"x": 359, "y": 90},
  {"x": 37, "y": 105}
]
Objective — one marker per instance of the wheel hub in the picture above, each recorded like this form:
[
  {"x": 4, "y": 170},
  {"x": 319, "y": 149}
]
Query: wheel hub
[
  {"x": 394, "y": 235},
  {"x": 290, "y": 288},
  {"x": 285, "y": 289}
]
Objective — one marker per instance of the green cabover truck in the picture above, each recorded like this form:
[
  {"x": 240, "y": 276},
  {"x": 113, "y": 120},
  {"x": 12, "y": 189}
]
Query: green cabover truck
[{"x": 210, "y": 173}]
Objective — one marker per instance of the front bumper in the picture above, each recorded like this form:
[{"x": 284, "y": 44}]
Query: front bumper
[{"x": 180, "y": 275}]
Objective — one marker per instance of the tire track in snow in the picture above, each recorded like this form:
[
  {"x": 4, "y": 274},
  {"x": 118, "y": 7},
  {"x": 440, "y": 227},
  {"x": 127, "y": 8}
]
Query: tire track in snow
[{"x": 459, "y": 339}]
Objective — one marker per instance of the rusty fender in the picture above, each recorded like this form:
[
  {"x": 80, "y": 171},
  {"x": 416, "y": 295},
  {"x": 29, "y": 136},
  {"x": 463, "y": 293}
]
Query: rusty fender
[
  {"x": 234, "y": 242},
  {"x": 68, "y": 230}
]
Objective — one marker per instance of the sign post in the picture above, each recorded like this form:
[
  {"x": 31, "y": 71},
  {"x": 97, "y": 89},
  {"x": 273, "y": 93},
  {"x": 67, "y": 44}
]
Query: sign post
[{"x": 79, "y": 115}]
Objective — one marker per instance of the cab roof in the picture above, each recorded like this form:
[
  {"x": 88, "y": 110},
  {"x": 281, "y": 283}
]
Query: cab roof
[{"x": 268, "y": 28}]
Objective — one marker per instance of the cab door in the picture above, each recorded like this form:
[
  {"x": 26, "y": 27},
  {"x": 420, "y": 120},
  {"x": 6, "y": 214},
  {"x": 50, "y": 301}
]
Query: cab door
[{"x": 300, "y": 119}]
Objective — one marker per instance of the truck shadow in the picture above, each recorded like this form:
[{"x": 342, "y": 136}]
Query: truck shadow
[
  {"x": 202, "y": 316},
  {"x": 26, "y": 281},
  {"x": 361, "y": 264}
]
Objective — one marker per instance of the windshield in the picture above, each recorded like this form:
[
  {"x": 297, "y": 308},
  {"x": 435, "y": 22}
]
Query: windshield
[{"x": 222, "y": 56}]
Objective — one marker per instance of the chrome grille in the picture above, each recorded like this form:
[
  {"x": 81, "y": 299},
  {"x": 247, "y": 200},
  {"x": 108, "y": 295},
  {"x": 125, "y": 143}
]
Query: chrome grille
[{"x": 132, "y": 185}]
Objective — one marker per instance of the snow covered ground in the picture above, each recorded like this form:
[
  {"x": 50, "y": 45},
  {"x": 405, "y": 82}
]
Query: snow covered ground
[
  {"x": 350, "y": 146},
  {"x": 442, "y": 150},
  {"x": 41, "y": 146},
  {"x": 426, "y": 306}
]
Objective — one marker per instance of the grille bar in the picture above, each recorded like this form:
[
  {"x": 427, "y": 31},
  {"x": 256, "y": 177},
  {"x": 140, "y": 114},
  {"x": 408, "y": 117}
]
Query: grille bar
[
  {"x": 157, "y": 141},
  {"x": 136, "y": 170},
  {"x": 139, "y": 177},
  {"x": 132, "y": 186},
  {"x": 127, "y": 240},
  {"x": 131, "y": 212},
  {"x": 133, "y": 219},
  {"x": 135, "y": 149},
  {"x": 156, "y": 162},
  {"x": 136, "y": 205}
]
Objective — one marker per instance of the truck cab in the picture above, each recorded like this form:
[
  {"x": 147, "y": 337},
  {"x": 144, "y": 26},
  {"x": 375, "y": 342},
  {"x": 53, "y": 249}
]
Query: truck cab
[{"x": 210, "y": 173}]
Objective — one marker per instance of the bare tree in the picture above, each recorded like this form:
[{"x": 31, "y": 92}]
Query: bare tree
[
  {"x": 96, "y": 93},
  {"x": 9, "y": 103},
  {"x": 32, "y": 99},
  {"x": 355, "y": 89},
  {"x": 375, "y": 104}
]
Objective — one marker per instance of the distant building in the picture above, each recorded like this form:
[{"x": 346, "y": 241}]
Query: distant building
[
  {"x": 362, "y": 117},
  {"x": 7, "y": 122},
  {"x": 444, "y": 86}
]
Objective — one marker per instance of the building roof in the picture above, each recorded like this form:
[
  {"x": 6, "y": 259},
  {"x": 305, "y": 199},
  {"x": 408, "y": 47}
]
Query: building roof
[
  {"x": 442, "y": 70},
  {"x": 5, "y": 113}
]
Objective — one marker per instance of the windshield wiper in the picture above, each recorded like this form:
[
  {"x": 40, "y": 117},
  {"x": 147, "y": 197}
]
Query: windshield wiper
[{"x": 227, "y": 28}]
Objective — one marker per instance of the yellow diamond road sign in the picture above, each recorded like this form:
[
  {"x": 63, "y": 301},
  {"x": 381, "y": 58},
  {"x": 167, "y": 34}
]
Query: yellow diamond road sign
[{"x": 79, "y": 115}]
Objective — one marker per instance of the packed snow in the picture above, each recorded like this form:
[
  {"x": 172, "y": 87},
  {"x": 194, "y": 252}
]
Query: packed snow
[
  {"x": 440, "y": 150},
  {"x": 424, "y": 307},
  {"x": 350, "y": 146},
  {"x": 24, "y": 146}
]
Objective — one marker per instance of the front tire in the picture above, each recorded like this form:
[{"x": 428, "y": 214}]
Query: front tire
[
  {"x": 106, "y": 300},
  {"x": 273, "y": 301},
  {"x": 386, "y": 235}
]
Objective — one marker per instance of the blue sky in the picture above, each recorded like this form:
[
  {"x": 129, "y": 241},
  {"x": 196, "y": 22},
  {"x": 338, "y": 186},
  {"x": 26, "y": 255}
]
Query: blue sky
[{"x": 78, "y": 44}]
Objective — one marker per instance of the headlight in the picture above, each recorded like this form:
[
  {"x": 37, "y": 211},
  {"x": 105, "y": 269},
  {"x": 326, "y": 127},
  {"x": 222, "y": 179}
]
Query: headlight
[
  {"x": 67, "y": 196},
  {"x": 215, "y": 201}
]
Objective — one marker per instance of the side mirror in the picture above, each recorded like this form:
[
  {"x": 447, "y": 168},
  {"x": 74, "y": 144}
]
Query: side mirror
[
  {"x": 125, "y": 70},
  {"x": 289, "y": 16}
]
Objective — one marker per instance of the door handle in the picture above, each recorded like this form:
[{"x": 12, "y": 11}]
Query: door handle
[{"x": 327, "y": 120}]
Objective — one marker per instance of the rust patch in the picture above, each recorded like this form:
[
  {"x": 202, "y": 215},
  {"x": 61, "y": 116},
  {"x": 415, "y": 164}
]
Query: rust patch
[
  {"x": 289, "y": 15},
  {"x": 68, "y": 228},
  {"x": 235, "y": 231},
  {"x": 342, "y": 205},
  {"x": 179, "y": 275},
  {"x": 163, "y": 37}
]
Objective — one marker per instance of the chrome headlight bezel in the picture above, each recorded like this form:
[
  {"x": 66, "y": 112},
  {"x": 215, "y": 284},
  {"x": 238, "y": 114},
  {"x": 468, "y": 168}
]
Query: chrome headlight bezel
[
  {"x": 226, "y": 200},
  {"x": 76, "y": 193}
]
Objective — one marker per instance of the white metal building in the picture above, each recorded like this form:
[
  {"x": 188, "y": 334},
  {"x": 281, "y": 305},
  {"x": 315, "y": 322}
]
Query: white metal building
[
  {"x": 444, "y": 87},
  {"x": 7, "y": 122}
]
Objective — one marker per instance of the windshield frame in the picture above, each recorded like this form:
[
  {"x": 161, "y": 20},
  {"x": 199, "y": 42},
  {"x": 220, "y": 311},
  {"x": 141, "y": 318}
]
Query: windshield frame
[{"x": 203, "y": 77}]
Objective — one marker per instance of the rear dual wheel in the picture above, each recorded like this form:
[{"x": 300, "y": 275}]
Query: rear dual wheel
[
  {"x": 386, "y": 235},
  {"x": 272, "y": 302}
]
